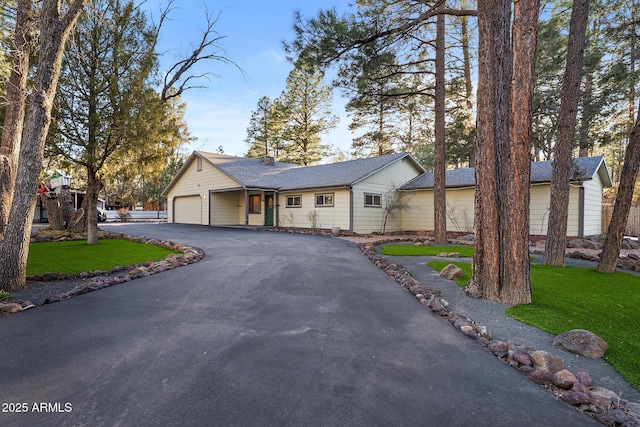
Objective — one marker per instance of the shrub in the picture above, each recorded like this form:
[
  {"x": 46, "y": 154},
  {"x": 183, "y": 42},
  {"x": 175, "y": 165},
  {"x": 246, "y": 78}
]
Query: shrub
[{"x": 124, "y": 215}]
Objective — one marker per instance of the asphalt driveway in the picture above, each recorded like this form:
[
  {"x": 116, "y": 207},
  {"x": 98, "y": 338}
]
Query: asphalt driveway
[{"x": 268, "y": 329}]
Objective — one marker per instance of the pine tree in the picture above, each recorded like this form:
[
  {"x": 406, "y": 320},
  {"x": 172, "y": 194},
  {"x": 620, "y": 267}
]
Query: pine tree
[
  {"x": 264, "y": 134},
  {"x": 306, "y": 114}
]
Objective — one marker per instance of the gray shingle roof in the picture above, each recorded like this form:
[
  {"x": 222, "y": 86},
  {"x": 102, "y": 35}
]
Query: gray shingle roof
[
  {"x": 253, "y": 173},
  {"x": 584, "y": 169},
  {"x": 249, "y": 173}
]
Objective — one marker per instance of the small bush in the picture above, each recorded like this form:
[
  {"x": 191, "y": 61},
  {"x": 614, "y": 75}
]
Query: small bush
[
  {"x": 314, "y": 217},
  {"x": 4, "y": 295},
  {"x": 289, "y": 219},
  {"x": 124, "y": 215}
]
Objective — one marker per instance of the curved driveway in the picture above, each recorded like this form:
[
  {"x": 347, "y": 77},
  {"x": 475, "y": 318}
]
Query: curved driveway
[{"x": 268, "y": 329}]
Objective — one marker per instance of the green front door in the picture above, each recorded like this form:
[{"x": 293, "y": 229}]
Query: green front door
[{"x": 268, "y": 209}]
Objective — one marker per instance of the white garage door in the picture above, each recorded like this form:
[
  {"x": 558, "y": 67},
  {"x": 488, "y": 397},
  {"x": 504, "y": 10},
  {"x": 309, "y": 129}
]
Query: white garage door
[{"x": 187, "y": 210}]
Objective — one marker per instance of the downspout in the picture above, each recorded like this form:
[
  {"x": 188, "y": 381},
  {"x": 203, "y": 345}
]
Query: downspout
[
  {"x": 276, "y": 220},
  {"x": 581, "y": 212},
  {"x": 246, "y": 207},
  {"x": 350, "y": 188},
  {"x": 209, "y": 216}
]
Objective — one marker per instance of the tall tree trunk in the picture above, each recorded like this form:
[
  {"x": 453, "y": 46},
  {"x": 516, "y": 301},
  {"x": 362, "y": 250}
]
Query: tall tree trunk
[
  {"x": 14, "y": 248},
  {"x": 468, "y": 83},
  {"x": 516, "y": 286},
  {"x": 622, "y": 206},
  {"x": 561, "y": 176},
  {"x": 14, "y": 112},
  {"x": 439, "y": 166},
  {"x": 90, "y": 205},
  {"x": 505, "y": 90},
  {"x": 492, "y": 132}
]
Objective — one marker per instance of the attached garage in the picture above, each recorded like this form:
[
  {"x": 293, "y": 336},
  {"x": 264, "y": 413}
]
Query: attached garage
[
  {"x": 225, "y": 208},
  {"x": 187, "y": 210}
]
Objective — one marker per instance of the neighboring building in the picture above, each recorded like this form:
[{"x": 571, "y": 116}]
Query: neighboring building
[
  {"x": 590, "y": 176},
  {"x": 216, "y": 189},
  {"x": 222, "y": 190}
]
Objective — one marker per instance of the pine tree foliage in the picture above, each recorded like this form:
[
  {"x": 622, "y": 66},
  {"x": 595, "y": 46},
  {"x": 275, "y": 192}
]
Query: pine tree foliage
[
  {"x": 264, "y": 134},
  {"x": 384, "y": 54},
  {"x": 305, "y": 114}
]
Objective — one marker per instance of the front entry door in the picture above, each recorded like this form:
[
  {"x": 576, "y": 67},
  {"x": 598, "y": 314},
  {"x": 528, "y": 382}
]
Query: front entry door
[{"x": 268, "y": 209}]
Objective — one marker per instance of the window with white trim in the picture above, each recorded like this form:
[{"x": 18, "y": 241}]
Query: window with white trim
[
  {"x": 372, "y": 200},
  {"x": 294, "y": 201},
  {"x": 324, "y": 200},
  {"x": 199, "y": 164}
]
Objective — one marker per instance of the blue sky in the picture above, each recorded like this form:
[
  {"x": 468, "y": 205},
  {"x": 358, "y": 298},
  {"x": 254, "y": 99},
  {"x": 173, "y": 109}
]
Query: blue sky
[{"x": 254, "y": 31}]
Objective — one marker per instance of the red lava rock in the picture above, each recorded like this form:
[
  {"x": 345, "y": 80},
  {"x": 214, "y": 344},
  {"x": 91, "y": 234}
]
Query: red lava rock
[
  {"x": 522, "y": 358},
  {"x": 564, "y": 379},
  {"x": 540, "y": 376},
  {"x": 575, "y": 398},
  {"x": 584, "y": 378},
  {"x": 581, "y": 388}
]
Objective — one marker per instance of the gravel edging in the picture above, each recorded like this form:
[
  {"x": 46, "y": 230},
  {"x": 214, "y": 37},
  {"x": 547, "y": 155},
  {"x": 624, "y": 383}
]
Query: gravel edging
[
  {"x": 569, "y": 377},
  {"x": 54, "y": 287}
]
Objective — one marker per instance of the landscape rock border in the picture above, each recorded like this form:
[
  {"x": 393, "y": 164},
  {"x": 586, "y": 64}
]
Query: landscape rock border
[
  {"x": 102, "y": 279},
  {"x": 576, "y": 389},
  {"x": 539, "y": 366}
]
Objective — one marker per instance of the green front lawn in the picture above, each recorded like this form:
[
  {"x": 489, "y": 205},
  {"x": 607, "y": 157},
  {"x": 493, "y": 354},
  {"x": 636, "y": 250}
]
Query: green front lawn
[
  {"x": 76, "y": 256},
  {"x": 411, "y": 250},
  {"x": 566, "y": 298}
]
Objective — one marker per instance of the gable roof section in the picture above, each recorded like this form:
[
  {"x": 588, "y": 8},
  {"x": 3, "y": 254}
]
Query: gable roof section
[
  {"x": 339, "y": 174},
  {"x": 246, "y": 172},
  {"x": 253, "y": 173},
  {"x": 585, "y": 168},
  {"x": 249, "y": 173}
]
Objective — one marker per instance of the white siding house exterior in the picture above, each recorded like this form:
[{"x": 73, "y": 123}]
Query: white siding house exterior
[
  {"x": 236, "y": 191},
  {"x": 585, "y": 198},
  {"x": 221, "y": 190}
]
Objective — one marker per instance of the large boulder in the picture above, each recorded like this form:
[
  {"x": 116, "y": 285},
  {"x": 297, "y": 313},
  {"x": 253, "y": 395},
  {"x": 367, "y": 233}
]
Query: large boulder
[
  {"x": 581, "y": 342},
  {"x": 583, "y": 244},
  {"x": 451, "y": 272}
]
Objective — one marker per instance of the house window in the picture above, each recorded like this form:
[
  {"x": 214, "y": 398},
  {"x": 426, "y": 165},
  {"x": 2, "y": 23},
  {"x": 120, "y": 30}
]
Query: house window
[
  {"x": 324, "y": 199},
  {"x": 294, "y": 201},
  {"x": 199, "y": 164},
  {"x": 372, "y": 200},
  {"x": 254, "y": 204}
]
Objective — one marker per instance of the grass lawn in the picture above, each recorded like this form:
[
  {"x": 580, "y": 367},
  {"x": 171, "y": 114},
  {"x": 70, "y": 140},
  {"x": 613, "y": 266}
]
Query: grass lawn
[
  {"x": 411, "y": 250},
  {"x": 566, "y": 298},
  {"x": 76, "y": 256}
]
